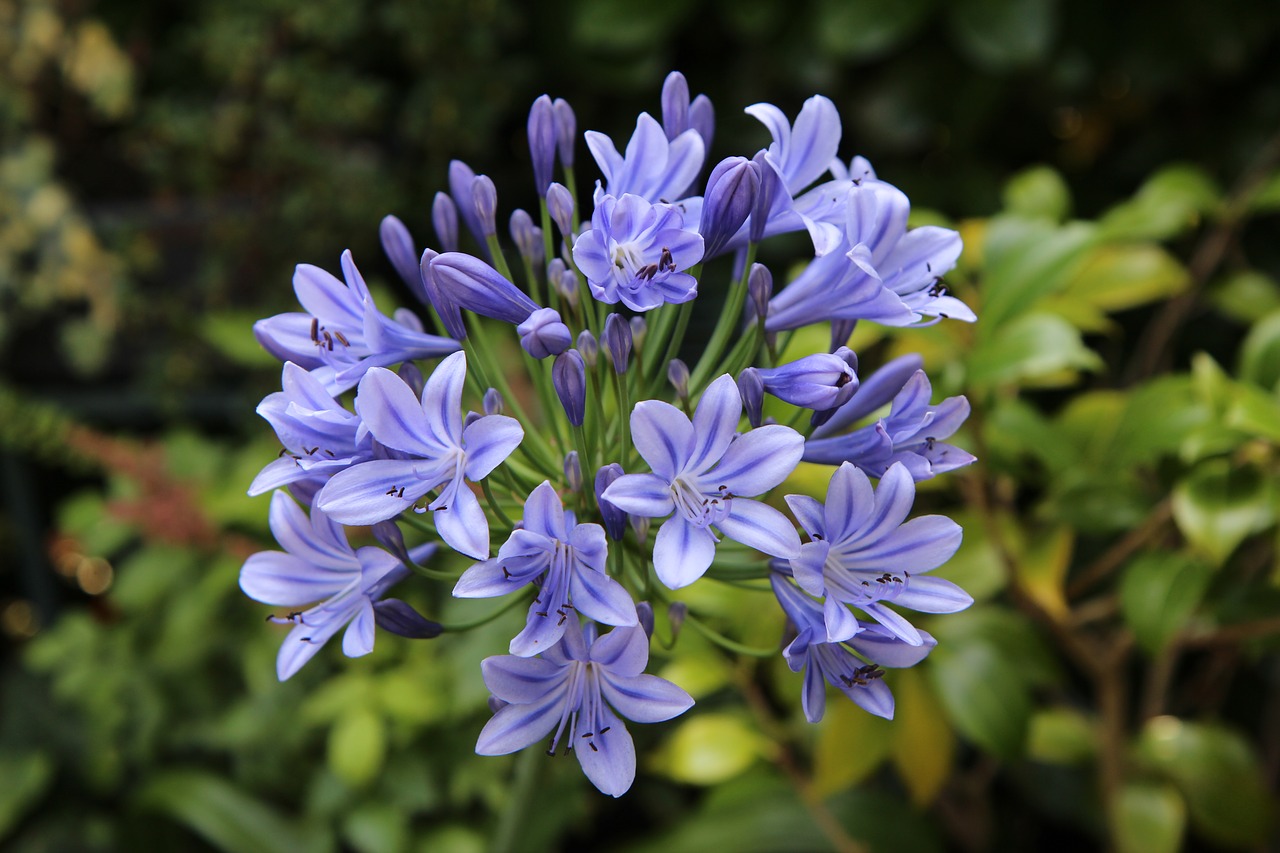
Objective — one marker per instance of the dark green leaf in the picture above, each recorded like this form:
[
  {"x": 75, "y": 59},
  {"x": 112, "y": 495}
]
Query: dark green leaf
[{"x": 1159, "y": 593}]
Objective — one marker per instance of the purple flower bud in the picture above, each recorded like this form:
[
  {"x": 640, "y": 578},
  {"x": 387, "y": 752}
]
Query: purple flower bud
[
  {"x": 676, "y": 613},
  {"x": 841, "y": 331},
  {"x": 567, "y": 286},
  {"x": 573, "y": 471},
  {"x": 542, "y": 141},
  {"x": 675, "y": 105},
  {"x": 821, "y": 381},
  {"x": 561, "y": 207},
  {"x": 702, "y": 118},
  {"x": 638, "y": 329},
  {"x": 617, "y": 342},
  {"x": 397, "y": 242},
  {"x": 461, "y": 179},
  {"x": 392, "y": 614},
  {"x": 759, "y": 290},
  {"x": 527, "y": 237},
  {"x": 543, "y": 334},
  {"x": 730, "y": 197},
  {"x": 614, "y": 519},
  {"x": 771, "y": 188},
  {"x": 566, "y": 131},
  {"x": 468, "y": 282},
  {"x": 751, "y": 389},
  {"x": 444, "y": 218},
  {"x": 485, "y": 196},
  {"x": 678, "y": 376},
  {"x": 644, "y": 612},
  {"x": 469, "y": 418},
  {"x": 640, "y": 524},
  {"x": 493, "y": 402},
  {"x": 450, "y": 316},
  {"x": 555, "y": 268},
  {"x": 569, "y": 378},
  {"x": 412, "y": 377},
  {"x": 588, "y": 347}
]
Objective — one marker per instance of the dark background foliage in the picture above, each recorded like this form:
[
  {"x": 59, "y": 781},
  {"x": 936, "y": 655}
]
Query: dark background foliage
[{"x": 164, "y": 166}]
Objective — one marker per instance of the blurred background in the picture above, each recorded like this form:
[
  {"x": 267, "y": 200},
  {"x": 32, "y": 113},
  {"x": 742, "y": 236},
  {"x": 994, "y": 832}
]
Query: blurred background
[{"x": 1115, "y": 171}]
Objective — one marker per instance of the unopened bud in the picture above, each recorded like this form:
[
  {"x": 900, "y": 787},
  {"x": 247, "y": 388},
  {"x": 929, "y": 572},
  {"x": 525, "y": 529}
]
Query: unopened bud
[
  {"x": 573, "y": 471},
  {"x": 678, "y": 376}
]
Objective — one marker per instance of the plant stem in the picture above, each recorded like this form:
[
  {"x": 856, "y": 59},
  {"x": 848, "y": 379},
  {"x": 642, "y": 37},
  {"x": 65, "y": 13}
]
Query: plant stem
[{"x": 507, "y": 837}]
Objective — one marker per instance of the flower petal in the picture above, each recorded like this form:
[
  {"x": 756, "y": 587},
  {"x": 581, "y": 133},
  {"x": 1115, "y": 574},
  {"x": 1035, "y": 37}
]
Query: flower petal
[
  {"x": 521, "y": 680},
  {"x": 644, "y": 698},
  {"x": 646, "y": 495},
  {"x": 608, "y": 758},
  {"x": 284, "y": 580},
  {"x": 488, "y": 441},
  {"x": 370, "y": 492},
  {"x": 442, "y": 399},
  {"x": 881, "y": 646},
  {"x": 933, "y": 595},
  {"x": 760, "y": 526},
  {"x": 463, "y": 526},
  {"x": 598, "y": 596},
  {"x": 664, "y": 437},
  {"x": 682, "y": 552},
  {"x": 624, "y": 652},
  {"x": 391, "y": 411},
  {"x": 757, "y": 461},
  {"x": 715, "y": 422},
  {"x": 358, "y": 640},
  {"x": 517, "y": 726}
]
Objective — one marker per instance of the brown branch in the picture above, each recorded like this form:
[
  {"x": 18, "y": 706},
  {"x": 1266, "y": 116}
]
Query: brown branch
[{"x": 1116, "y": 556}]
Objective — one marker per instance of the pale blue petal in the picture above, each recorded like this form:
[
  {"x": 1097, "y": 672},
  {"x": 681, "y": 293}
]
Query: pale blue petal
[
  {"x": 895, "y": 494},
  {"x": 517, "y": 726},
  {"x": 370, "y": 492},
  {"x": 301, "y": 645},
  {"x": 760, "y": 526},
  {"x": 757, "y": 461},
  {"x": 893, "y": 621},
  {"x": 358, "y": 640},
  {"x": 850, "y": 500},
  {"x": 598, "y": 596},
  {"x": 486, "y": 580},
  {"x": 840, "y": 621},
  {"x": 442, "y": 399},
  {"x": 807, "y": 568},
  {"x": 544, "y": 512},
  {"x": 463, "y": 526},
  {"x": 874, "y": 697},
  {"x": 919, "y": 545},
  {"x": 664, "y": 437},
  {"x": 608, "y": 758},
  {"x": 882, "y": 647},
  {"x": 391, "y": 411},
  {"x": 814, "y": 142},
  {"x": 682, "y": 552},
  {"x": 808, "y": 512},
  {"x": 325, "y": 297},
  {"x": 623, "y": 653},
  {"x": 715, "y": 422},
  {"x": 814, "y": 698},
  {"x": 320, "y": 544},
  {"x": 521, "y": 680},
  {"x": 283, "y": 580},
  {"x": 644, "y": 698},
  {"x": 933, "y": 595},
  {"x": 645, "y": 495},
  {"x": 488, "y": 441}
]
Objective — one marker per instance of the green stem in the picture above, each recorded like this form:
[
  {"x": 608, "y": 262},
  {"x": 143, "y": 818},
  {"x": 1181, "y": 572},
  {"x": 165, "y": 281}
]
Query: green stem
[
  {"x": 458, "y": 627},
  {"x": 493, "y": 503},
  {"x": 524, "y": 787},
  {"x": 725, "y": 643},
  {"x": 730, "y": 315}
]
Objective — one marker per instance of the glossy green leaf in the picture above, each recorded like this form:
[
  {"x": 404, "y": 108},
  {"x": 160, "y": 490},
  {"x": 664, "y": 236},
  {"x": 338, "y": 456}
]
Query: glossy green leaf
[
  {"x": 1217, "y": 773},
  {"x": 851, "y": 745},
  {"x": 710, "y": 748},
  {"x": 923, "y": 743},
  {"x": 1159, "y": 592},
  {"x": 1246, "y": 295},
  {"x": 1117, "y": 277},
  {"x": 1025, "y": 260},
  {"x": 1148, "y": 818},
  {"x": 1032, "y": 347},
  {"x": 986, "y": 698},
  {"x": 226, "y": 816},
  {"x": 862, "y": 29},
  {"x": 1260, "y": 353},
  {"x": 1038, "y": 193},
  {"x": 1219, "y": 504},
  {"x": 1004, "y": 34},
  {"x": 1170, "y": 202},
  {"x": 1061, "y": 736}
]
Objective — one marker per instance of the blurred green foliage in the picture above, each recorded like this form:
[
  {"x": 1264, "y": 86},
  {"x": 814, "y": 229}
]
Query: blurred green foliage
[{"x": 163, "y": 166}]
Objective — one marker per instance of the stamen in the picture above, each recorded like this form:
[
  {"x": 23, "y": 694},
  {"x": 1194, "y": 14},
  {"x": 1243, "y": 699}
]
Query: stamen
[
  {"x": 315, "y": 330},
  {"x": 342, "y": 339}
]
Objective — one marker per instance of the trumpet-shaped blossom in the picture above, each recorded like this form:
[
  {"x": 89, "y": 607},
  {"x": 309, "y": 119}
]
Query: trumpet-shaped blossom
[
  {"x": 862, "y": 551},
  {"x": 318, "y": 564},
  {"x": 437, "y": 453},
  {"x": 464, "y": 281},
  {"x": 821, "y": 381},
  {"x": 565, "y": 560},
  {"x": 320, "y": 437},
  {"x": 653, "y": 167},
  {"x": 912, "y": 434},
  {"x": 574, "y": 693},
  {"x": 635, "y": 251},
  {"x": 342, "y": 334},
  {"x": 703, "y": 476},
  {"x": 824, "y": 662}
]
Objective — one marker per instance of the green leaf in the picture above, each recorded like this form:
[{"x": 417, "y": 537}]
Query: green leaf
[
  {"x": 851, "y": 745},
  {"x": 864, "y": 29},
  {"x": 1218, "y": 773},
  {"x": 1158, "y": 593},
  {"x": 1023, "y": 261},
  {"x": 226, "y": 816},
  {"x": 983, "y": 694},
  {"x": 1061, "y": 736},
  {"x": 1148, "y": 819},
  {"x": 1171, "y": 202},
  {"x": 1038, "y": 193},
  {"x": 1003, "y": 34},
  {"x": 231, "y": 333},
  {"x": 923, "y": 743},
  {"x": 1267, "y": 198},
  {"x": 376, "y": 828},
  {"x": 1260, "y": 353},
  {"x": 357, "y": 747},
  {"x": 629, "y": 26},
  {"x": 1157, "y": 419},
  {"x": 1246, "y": 295},
  {"x": 1118, "y": 277},
  {"x": 1032, "y": 347},
  {"x": 26, "y": 778},
  {"x": 710, "y": 748},
  {"x": 1219, "y": 504}
]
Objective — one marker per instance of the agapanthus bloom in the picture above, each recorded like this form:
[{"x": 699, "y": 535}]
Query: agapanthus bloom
[
  {"x": 342, "y": 334},
  {"x": 635, "y": 253},
  {"x": 438, "y": 452},
  {"x": 704, "y": 474},
  {"x": 574, "y": 693},
  {"x": 862, "y": 551},
  {"x": 318, "y": 564},
  {"x": 566, "y": 562},
  {"x": 653, "y": 167}
]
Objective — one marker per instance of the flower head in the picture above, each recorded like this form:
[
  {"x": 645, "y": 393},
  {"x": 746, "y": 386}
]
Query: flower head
[
  {"x": 575, "y": 692},
  {"x": 434, "y": 450},
  {"x": 317, "y": 564},
  {"x": 566, "y": 561},
  {"x": 703, "y": 476},
  {"x": 654, "y": 167}
]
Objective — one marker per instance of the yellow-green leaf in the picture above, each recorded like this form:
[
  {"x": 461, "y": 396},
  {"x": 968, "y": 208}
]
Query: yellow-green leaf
[{"x": 923, "y": 743}]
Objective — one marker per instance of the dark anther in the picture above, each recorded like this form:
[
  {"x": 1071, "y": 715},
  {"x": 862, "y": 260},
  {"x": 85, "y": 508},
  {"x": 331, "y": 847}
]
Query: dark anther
[
  {"x": 391, "y": 491},
  {"x": 929, "y": 442},
  {"x": 282, "y": 452},
  {"x": 506, "y": 573},
  {"x": 593, "y": 746},
  {"x": 542, "y": 613},
  {"x": 306, "y": 639},
  {"x": 443, "y": 508},
  {"x": 843, "y": 380},
  {"x": 328, "y": 339},
  {"x": 665, "y": 261},
  {"x": 928, "y": 266},
  {"x": 312, "y": 451},
  {"x": 400, "y": 493},
  {"x": 563, "y": 616},
  {"x": 270, "y": 616},
  {"x": 605, "y": 729},
  {"x": 315, "y": 331},
  {"x": 331, "y": 454},
  {"x": 648, "y": 271},
  {"x": 588, "y": 734},
  {"x": 943, "y": 316},
  {"x": 817, "y": 537},
  {"x": 342, "y": 339}
]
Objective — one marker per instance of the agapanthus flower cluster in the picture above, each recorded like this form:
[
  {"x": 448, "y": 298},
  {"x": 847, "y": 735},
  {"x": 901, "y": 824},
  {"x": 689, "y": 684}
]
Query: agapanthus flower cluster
[{"x": 557, "y": 431}]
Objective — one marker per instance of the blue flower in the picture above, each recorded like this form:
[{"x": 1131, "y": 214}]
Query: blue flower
[
  {"x": 821, "y": 381},
  {"x": 865, "y": 553},
  {"x": 635, "y": 251},
  {"x": 912, "y": 433},
  {"x": 343, "y": 334},
  {"x": 318, "y": 564},
  {"x": 320, "y": 437},
  {"x": 834, "y": 663},
  {"x": 653, "y": 168},
  {"x": 703, "y": 475},
  {"x": 437, "y": 452},
  {"x": 573, "y": 691},
  {"x": 566, "y": 560}
]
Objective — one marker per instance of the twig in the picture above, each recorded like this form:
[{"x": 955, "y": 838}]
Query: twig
[{"x": 1115, "y": 556}]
